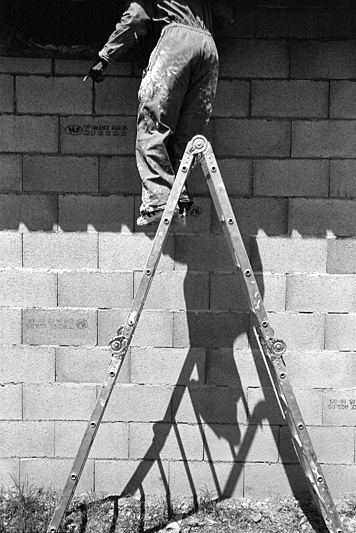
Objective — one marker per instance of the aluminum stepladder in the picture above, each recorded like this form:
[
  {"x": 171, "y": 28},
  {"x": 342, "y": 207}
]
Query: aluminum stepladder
[{"x": 272, "y": 349}]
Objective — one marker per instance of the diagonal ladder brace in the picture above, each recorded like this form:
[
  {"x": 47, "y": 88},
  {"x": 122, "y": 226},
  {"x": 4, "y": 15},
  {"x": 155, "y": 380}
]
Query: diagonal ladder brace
[{"x": 272, "y": 349}]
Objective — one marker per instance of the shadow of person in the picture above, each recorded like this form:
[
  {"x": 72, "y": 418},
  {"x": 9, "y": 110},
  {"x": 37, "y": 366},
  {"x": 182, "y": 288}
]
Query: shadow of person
[{"x": 221, "y": 408}]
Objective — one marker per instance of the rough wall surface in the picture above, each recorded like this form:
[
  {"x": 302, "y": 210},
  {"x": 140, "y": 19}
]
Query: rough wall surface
[{"x": 193, "y": 408}]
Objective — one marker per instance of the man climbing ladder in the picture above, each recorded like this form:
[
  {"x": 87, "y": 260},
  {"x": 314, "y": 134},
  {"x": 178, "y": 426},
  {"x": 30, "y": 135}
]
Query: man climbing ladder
[
  {"x": 271, "y": 348},
  {"x": 177, "y": 90}
]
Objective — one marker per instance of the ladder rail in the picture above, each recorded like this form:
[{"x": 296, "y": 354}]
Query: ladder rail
[
  {"x": 120, "y": 344},
  {"x": 271, "y": 348}
]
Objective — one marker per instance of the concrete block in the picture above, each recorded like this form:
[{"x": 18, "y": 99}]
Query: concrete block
[
  {"x": 227, "y": 292},
  {"x": 236, "y": 173},
  {"x": 299, "y": 330},
  {"x": 321, "y": 293},
  {"x": 64, "y": 327},
  {"x": 339, "y": 408},
  {"x": 176, "y": 290},
  {"x": 10, "y": 172},
  {"x": 256, "y": 215},
  {"x": 263, "y": 405},
  {"x": 154, "y": 328},
  {"x": 293, "y": 98},
  {"x": 199, "y": 403},
  {"x": 11, "y": 250},
  {"x": 9, "y": 470},
  {"x": 341, "y": 257},
  {"x": 167, "y": 366},
  {"x": 165, "y": 441},
  {"x": 117, "y": 96},
  {"x": 59, "y": 251},
  {"x": 321, "y": 369},
  {"x": 210, "y": 329},
  {"x": 96, "y": 213},
  {"x": 232, "y": 99},
  {"x": 235, "y": 368},
  {"x": 138, "y": 403},
  {"x": 121, "y": 477},
  {"x": 344, "y": 21},
  {"x": 53, "y": 473},
  {"x": 342, "y": 99},
  {"x": 6, "y": 94},
  {"x": 26, "y": 364},
  {"x": 251, "y": 138},
  {"x": 274, "y": 480},
  {"x": 130, "y": 252},
  {"x": 26, "y": 133},
  {"x": 111, "y": 441},
  {"x": 305, "y": 22},
  {"x": 331, "y": 445},
  {"x": 322, "y": 217},
  {"x": 25, "y": 65},
  {"x": 342, "y": 178},
  {"x": 324, "y": 139},
  {"x": 26, "y": 288},
  {"x": 252, "y": 58},
  {"x": 340, "y": 332},
  {"x": 87, "y": 365},
  {"x": 27, "y": 439},
  {"x": 341, "y": 479},
  {"x": 202, "y": 253},
  {"x": 293, "y": 177},
  {"x": 65, "y": 96},
  {"x": 10, "y": 402},
  {"x": 285, "y": 254},
  {"x": 97, "y": 135},
  {"x": 224, "y": 478},
  {"x": 26, "y": 212},
  {"x": 240, "y": 443},
  {"x": 10, "y": 326},
  {"x": 119, "y": 175},
  {"x": 95, "y": 289},
  {"x": 42, "y": 401},
  {"x": 60, "y": 174},
  {"x": 81, "y": 67},
  {"x": 323, "y": 59}
]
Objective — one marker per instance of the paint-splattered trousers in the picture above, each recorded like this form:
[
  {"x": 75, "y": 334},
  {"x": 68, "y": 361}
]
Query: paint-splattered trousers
[{"x": 175, "y": 103}]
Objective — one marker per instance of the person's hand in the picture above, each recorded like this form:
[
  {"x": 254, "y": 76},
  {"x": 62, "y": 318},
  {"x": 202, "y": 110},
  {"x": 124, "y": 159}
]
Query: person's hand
[{"x": 96, "y": 73}]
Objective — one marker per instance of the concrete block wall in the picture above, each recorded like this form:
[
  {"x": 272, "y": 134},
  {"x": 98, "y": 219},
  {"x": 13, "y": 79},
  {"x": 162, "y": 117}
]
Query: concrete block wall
[{"x": 193, "y": 407}]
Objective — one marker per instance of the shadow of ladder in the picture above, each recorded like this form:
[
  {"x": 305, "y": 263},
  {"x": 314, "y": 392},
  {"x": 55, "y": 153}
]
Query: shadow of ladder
[{"x": 272, "y": 349}]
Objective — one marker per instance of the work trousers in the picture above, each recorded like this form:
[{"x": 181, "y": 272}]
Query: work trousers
[{"x": 175, "y": 103}]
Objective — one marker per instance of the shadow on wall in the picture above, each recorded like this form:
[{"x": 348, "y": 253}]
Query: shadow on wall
[{"x": 225, "y": 334}]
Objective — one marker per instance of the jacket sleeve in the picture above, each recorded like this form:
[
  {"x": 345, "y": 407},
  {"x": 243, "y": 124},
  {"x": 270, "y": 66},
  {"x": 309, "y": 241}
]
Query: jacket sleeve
[
  {"x": 133, "y": 21},
  {"x": 223, "y": 12}
]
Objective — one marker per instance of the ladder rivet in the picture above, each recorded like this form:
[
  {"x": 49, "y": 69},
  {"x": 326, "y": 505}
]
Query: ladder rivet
[
  {"x": 93, "y": 424},
  {"x": 73, "y": 477},
  {"x": 248, "y": 273},
  {"x": 265, "y": 323},
  {"x": 231, "y": 221},
  {"x": 148, "y": 272},
  {"x": 166, "y": 221},
  {"x": 213, "y": 169},
  {"x": 320, "y": 479},
  {"x": 112, "y": 374},
  {"x": 300, "y": 426},
  {"x": 184, "y": 169},
  {"x": 282, "y": 375},
  {"x": 53, "y": 530}
]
